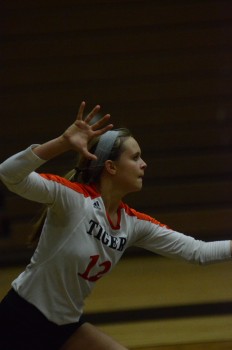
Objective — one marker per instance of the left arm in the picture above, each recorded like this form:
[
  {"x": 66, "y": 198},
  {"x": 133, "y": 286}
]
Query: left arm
[{"x": 164, "y": 241}]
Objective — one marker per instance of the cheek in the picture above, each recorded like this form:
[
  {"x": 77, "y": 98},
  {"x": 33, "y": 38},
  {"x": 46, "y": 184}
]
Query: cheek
[
  {"x": 124, "y": 174},
  {"x": 127, "y": 174}
]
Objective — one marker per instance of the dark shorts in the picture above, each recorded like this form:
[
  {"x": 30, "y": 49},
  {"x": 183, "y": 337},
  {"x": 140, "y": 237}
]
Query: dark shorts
[{"x": 23, "y": 326}]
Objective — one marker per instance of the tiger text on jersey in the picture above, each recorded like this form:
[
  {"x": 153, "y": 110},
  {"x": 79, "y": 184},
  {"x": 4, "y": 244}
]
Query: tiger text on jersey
[{"x": 97, "y": 231}]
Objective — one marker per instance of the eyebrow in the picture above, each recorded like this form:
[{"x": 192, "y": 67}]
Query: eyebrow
[{"x": 137, "y": 153}]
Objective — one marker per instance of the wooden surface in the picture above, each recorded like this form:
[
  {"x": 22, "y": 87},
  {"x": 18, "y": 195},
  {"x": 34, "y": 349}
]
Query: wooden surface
[
  {"x": 200, "y": 346},
  {"x": 153, "y": 283}
]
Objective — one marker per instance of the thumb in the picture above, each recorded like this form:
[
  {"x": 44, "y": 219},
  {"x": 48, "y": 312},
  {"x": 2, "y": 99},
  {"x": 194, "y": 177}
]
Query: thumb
[{"x": 88, "y": 155}]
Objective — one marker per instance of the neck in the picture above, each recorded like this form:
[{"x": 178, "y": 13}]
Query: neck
[{"x": 111, "y": 197}]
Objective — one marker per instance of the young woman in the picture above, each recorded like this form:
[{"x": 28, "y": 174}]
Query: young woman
[{"x": 86, "y": 231}]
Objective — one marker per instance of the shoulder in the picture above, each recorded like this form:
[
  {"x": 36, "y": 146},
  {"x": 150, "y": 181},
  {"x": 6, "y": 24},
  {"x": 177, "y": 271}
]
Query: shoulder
[
  {"x": 140, "y": 216},
  {"x": 86, "y": 190}
]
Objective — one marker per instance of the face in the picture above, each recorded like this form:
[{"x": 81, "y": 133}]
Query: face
[{"x": 130, "y": 167}]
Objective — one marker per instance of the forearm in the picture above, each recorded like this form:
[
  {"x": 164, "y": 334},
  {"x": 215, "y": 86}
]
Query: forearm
[
  {"x": 52, "y": 148},
  {"x": 14, "y": 169},
  {"x": 175, "y": 244},
  {"x": 17, "y": 167},
  {"x": 209, "y": 252},
  {"x": 18, "y": 175}
]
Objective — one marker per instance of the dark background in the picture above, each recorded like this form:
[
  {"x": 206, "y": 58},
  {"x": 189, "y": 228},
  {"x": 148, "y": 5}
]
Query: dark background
[{"x": 161, "y": 68}]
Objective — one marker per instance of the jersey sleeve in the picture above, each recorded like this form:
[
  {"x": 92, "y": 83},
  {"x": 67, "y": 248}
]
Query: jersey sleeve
[
  {"x": 19, "y": 176},
  {"x": 158, "y": 238}
]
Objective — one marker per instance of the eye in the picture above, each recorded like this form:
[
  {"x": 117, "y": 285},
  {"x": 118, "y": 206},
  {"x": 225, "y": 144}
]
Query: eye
[{"x": 136, "y": 156}]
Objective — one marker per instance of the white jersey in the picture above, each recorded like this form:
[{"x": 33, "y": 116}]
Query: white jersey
[{"x": 79, "y": 244}]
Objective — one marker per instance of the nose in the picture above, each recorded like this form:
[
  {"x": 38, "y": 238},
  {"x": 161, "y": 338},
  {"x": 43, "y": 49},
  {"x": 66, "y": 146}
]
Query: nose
[{"x": 143, "y": 165}]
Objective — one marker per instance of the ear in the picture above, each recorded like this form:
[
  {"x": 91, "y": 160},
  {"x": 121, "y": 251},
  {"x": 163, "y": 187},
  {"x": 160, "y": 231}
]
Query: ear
[{"x": 110, "y": 167}]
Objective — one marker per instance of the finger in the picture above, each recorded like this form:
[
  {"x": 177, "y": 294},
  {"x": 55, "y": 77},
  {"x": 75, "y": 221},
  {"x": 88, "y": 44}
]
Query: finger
[
  {"x": 100, "y": 123},
  {"x": 92, "y": 114},
  {"x": 81, "y": 110},
  {"x": 105, "y": 129},
  {"x": 88, "y": 155}
]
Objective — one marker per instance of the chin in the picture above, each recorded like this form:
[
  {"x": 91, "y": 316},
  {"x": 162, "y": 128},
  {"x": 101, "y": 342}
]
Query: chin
[
  {"x": 134, "y": 189},
  {"x": 138, "y": 188}
]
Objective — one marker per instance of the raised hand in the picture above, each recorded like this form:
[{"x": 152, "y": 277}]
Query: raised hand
[
  {"x": 81, "y": 132},
  {"x": 76, "y": 137}
]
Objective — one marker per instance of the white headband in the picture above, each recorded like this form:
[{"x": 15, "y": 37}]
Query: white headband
[{"x": 104, "y": 147}]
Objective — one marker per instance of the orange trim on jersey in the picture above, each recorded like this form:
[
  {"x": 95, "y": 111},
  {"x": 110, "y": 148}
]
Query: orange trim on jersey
[
  {"x": 141, "y": 216},
  {"x": 90, "y": 191},
  {"x": 117, "y": 226},
  {"x": 86, "y": 190}
]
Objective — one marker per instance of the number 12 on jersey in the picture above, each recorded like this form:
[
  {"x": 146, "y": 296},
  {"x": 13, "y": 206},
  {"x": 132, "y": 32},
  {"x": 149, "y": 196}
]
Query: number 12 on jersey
[{"x": 103, "y": 269}]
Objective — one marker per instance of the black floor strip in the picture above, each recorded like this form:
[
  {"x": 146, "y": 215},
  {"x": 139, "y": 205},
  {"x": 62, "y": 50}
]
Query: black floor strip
[{"x": 161, "y": 313}]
